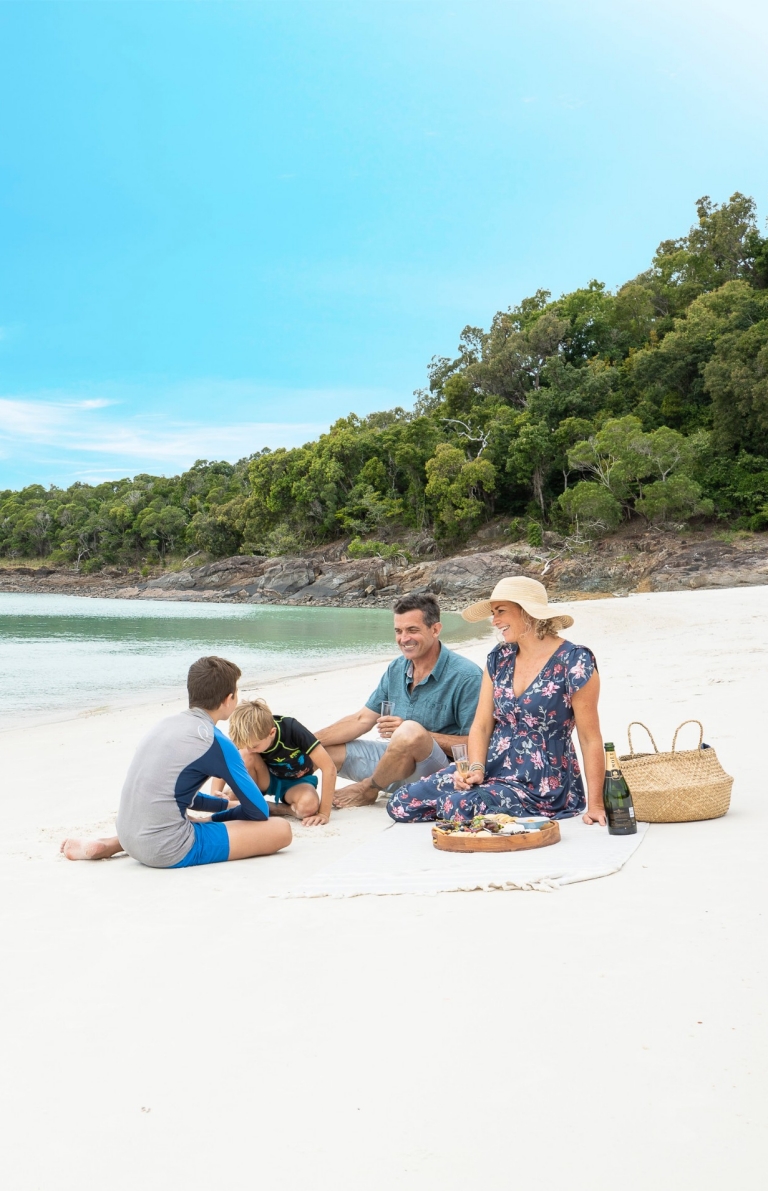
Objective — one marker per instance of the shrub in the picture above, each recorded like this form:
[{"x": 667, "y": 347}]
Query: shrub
[
  {"x": 675, "y": 499},
  {"x": 534, "y": 534},
  {"x": 590, "y": 508},
  {"x": 372, "y": 549}
]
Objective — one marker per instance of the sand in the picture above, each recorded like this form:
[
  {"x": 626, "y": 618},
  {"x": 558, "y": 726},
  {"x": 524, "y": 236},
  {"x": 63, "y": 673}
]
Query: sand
[{"x": 185, "y": 1029}]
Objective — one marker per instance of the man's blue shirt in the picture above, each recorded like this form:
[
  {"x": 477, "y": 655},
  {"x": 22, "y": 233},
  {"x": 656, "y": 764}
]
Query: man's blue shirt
[{"x": 444, "y": 702}]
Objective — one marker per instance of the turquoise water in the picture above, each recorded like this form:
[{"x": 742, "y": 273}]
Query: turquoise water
[{"x": 62, "y": 655}]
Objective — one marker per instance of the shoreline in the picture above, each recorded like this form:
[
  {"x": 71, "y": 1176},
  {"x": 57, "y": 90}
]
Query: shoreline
[
  {"x": 163, "y": 696},
  {"x": 636, "y": 559}
]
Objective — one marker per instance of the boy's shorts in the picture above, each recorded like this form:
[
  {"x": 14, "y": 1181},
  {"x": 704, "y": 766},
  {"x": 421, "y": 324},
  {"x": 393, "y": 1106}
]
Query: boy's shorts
[
  {"x": 210, "y": 847},
  {"x": 278, "y": 786}
]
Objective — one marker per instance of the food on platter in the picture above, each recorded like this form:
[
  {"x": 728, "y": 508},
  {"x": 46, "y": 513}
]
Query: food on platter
[
  {"x": 493, "y": 825},
  {"x": 495, "y": 833}
]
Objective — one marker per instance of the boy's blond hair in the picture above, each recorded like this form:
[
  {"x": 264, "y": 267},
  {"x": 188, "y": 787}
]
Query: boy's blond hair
[{"x": 249, "y": 722}]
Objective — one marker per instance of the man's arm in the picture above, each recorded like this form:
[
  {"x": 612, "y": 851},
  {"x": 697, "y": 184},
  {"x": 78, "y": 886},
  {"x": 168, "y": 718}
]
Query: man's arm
[
  {"x": 447, "y": 742},
  {"x": 348, "y": 728}
]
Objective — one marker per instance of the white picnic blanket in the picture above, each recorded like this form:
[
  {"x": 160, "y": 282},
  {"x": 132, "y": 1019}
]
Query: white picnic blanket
[{"x": 402, "y": 859}]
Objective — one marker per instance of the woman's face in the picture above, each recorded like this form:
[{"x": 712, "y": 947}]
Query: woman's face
[{"x": 508, "y": 620}]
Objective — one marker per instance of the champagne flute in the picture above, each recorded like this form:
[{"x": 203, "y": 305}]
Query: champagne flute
[
  {"x": 461, "y": 757},
  {"x": 386, "y": 708}
]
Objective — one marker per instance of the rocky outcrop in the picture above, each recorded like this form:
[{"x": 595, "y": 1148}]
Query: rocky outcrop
[{"x": 636, "y": 560}]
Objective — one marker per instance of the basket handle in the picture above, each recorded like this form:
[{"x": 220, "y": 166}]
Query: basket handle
[
  {"x": 677, "y": 729},
  {"x": 640, "y": 724}
]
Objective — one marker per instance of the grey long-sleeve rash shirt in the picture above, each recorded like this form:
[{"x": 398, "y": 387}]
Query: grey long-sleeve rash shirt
[{"x": 171, "y": 764}]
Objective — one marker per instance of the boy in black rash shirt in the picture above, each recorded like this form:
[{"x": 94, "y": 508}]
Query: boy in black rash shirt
[{"x": 281, "y": 754}]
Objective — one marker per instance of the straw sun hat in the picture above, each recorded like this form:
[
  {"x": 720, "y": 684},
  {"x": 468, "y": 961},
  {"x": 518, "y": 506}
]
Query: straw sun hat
[{"x": 528, "y": 593}]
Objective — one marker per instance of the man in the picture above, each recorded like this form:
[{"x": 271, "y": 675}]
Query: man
[
  {"x": 434, "y": 693},
  {"x": 163, "y": 782}
]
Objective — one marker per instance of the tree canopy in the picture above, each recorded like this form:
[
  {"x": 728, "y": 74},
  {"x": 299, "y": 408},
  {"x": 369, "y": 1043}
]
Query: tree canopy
[{"x": 582, "y": 411}]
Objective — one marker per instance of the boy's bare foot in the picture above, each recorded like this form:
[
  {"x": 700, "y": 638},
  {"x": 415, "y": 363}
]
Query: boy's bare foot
[
  {"x": 358, "y": 794},
  {"x": 90, "y": 849},
  {"x": 199, "y": 816}
]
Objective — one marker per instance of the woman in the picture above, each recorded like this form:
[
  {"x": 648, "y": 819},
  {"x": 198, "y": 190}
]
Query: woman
[{"x": 537, "y": 687}]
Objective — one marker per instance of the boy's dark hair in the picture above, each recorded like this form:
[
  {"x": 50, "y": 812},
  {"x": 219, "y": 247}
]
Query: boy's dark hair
[
  {"x": 210, "y": 681},
  {"x": 419, "y": 601}
]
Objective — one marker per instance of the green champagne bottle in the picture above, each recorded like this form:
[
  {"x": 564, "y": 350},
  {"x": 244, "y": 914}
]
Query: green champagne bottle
[{"x": 619, "y": 809}]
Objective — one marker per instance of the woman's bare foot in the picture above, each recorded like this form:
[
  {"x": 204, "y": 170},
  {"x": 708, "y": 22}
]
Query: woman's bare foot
[
  {"x": 90, "y": 849},
  {"x": 358, "y": 794}
]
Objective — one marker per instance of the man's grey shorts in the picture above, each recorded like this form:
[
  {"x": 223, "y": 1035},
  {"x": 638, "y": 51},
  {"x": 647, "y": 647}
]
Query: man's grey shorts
[{"x": 364, "y": 755}]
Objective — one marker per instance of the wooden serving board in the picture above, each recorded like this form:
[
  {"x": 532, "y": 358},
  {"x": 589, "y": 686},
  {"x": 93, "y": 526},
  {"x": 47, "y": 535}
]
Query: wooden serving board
[{"x": 466, "y": 841}]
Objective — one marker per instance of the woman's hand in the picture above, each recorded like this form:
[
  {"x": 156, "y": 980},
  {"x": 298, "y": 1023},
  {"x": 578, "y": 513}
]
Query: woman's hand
[
  {"x": 475, "y": 777},
  {"x": 595, "y": 814}
]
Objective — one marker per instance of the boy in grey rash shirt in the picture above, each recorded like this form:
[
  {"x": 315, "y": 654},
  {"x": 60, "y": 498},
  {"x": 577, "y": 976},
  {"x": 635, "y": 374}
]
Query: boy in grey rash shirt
[
  {"x": 171, "y": 764},
  {"x": 164, "y": 779}
]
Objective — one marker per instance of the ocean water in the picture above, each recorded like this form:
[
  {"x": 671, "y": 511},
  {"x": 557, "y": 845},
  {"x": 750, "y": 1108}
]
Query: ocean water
[{"x": 61, "y": 656}]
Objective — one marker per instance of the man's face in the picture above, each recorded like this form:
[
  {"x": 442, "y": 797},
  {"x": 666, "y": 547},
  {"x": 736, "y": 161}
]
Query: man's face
[{"x": 413, "y": 636}]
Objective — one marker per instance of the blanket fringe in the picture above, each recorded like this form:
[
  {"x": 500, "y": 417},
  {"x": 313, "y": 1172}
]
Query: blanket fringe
[{"x": 545, "y": 885}]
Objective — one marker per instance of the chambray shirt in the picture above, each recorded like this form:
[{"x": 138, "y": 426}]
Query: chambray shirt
[{"x": 444, "y": 702}]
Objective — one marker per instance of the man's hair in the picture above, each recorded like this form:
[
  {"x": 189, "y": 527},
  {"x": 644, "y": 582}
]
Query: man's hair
[
  {"x": 250, "y": 722},
  {"x": 210, "y": 681},
  {"x": 419, "y": 601}
]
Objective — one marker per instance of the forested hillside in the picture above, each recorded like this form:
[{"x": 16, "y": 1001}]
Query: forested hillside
[{"x": 576, "y": 412}]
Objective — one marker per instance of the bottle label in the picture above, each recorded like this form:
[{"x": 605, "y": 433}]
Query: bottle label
[{"x": 621, "y": 816}]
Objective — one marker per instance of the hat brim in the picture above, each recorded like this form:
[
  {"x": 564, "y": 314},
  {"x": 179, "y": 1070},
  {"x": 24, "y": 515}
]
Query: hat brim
[{"x": 482, "y": 610}]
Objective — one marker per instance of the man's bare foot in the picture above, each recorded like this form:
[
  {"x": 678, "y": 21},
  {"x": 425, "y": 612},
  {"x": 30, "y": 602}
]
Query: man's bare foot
[
  {"x": 90, "y": 849},
  {"x": 358, "y": 794}
]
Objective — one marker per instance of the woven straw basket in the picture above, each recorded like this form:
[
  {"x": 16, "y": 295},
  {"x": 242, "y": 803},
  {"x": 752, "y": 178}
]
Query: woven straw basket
[{"x": 676, "y": 787}]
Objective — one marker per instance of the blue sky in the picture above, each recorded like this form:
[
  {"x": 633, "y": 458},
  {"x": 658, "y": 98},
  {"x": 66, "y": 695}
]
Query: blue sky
[{"x": 224, "y": 225}]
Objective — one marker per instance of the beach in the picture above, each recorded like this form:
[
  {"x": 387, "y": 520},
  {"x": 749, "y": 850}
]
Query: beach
[{"x": 168, "y": 1029}]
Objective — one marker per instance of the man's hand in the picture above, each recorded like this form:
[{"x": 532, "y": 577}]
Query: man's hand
[
  {"x": 387, "y": 725},
  {"x": 595, "y": 815},
  {"x": 318, "y": 820}
]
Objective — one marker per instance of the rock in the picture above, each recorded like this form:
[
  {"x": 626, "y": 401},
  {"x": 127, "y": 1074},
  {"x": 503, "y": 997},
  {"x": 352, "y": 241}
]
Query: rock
[{"x": 471, "y": 573}]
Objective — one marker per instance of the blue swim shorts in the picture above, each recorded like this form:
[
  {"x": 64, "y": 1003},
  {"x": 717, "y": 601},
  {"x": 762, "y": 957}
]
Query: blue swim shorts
[
  {"x": 210, "y": 847},
  {"x": 279, "y": 785}
]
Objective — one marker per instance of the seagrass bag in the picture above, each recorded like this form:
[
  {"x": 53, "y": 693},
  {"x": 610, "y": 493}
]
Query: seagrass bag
[{"x": 679, "y": 786}]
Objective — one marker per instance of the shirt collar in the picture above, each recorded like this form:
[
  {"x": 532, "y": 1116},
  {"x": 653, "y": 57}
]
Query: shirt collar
[
  {"x": 437, "y": 669},
  {"x": 201, "y": 713}
]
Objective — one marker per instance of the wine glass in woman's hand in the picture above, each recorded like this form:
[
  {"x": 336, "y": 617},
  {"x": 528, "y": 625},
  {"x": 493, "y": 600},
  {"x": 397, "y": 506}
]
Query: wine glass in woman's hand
[{"x": 465, "y": 781}]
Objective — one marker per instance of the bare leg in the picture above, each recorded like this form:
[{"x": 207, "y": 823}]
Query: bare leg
[
  {"x": 410, "y": 744},
  {"x": 247, "y": 838},
  {"x": 303, "y": 800},
  {"x": 90, "y": 849}
]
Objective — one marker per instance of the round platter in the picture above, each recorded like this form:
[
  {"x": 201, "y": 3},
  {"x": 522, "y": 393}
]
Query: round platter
[{"x": 466, "y": 841}]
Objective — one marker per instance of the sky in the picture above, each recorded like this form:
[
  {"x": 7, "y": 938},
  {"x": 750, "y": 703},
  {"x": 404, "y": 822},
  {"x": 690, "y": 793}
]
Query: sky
[{"x": 224, "y": 225}]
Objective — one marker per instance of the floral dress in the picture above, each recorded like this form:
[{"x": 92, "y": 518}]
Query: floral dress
[{"x": 531, "y": 767}]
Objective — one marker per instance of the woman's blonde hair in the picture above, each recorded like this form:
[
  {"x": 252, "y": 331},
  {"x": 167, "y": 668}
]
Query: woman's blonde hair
[
  {"x": 543, "y": 628},
  {"x": 249, "y": 722}
]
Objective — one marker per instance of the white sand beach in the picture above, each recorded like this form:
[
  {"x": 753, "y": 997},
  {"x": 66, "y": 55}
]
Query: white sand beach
[{"x": 186, "y": 1029}]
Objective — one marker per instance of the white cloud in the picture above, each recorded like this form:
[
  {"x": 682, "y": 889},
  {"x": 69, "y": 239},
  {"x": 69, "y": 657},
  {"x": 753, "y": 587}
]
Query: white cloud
[
  {"x": 151, "y": 435},
  {"x": 116, "y": 430}
]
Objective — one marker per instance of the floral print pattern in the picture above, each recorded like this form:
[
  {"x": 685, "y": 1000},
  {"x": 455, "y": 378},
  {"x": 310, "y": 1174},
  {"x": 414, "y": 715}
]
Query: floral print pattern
[{"x": 531, "y": 767}]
